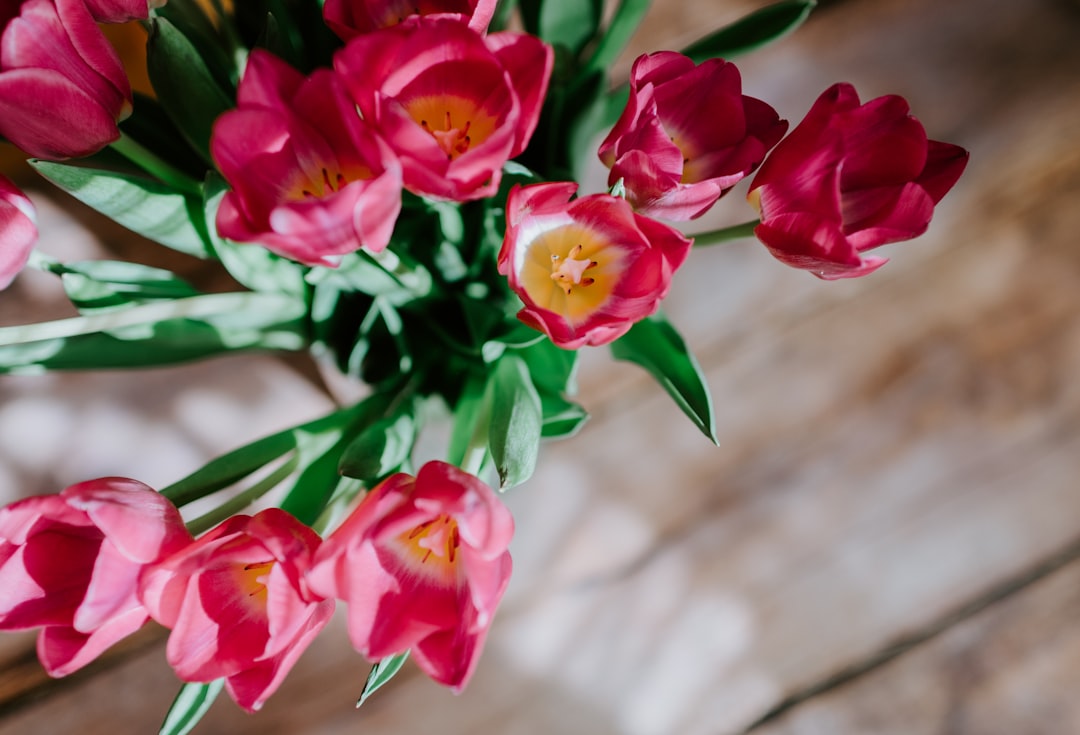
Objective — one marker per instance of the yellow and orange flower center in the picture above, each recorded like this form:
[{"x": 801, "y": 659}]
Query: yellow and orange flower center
[
  {"x": 690, "y": 173},
  {"x": 325, "y": 181},
  {"x": 252, "y": 580},
  {"x": 457, "y": 124},
  {"x": 434, "y": 544},
  {"x": 571, "y": 270}
]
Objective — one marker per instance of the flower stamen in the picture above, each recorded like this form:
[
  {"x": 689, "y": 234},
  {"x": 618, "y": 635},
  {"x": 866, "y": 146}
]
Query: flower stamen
[{"x": 570, "y": 271}]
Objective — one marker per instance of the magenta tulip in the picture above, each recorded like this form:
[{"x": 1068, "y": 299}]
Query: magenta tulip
[
  {"x": 350, "y": 18},
  {"x": 238, "y": 605},
  {"x": 62, "y": 87},
  {"x": 454, "y": 105},
  {"x": 69, "y": 563},
  {"x": 121, "y": 11},
  {"x": 422, "y": 563},
  {"x": 849, "y": 178},
  {"x": 687, "y": 135},
  {"x": 586, "y": 270},
  {"x": 18, "y": 231},
  {"x": 311, "y": 181}
]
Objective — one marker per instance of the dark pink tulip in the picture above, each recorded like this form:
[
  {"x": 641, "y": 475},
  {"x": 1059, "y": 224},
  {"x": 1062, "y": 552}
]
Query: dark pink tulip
[
  {"x": 586, "y": 270},
  {"x": 238, "y": 605},
  {"x": 454, "y": 105},
  {"x": 121, "y": 11},
  {"x": 687, "y": 135},
  {"x": 422, "y": 563},
  {"x": 350, "y": 18},
  {"x": 849, "y": 178},
  {"x": 18, "y": 231},
  {"x": 69, "y": 563},
  {"x": 310, "y": 179},
  {"x": 62, "y": 87}
]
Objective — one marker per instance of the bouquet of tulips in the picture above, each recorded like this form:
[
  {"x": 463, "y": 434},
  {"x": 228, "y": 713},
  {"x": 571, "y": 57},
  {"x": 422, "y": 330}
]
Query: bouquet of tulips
[{"x": 393, "y": 186}]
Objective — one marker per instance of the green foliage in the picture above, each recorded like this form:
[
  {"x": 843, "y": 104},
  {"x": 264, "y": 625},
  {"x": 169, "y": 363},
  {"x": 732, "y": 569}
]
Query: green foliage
[
  {"x": 380, "y": 674},
  {"x": 753, "y": 31},
  {"x": 655, "y": 345},
  {"x": 191, "y": 703},
  {"x": 516, "y": 421}
]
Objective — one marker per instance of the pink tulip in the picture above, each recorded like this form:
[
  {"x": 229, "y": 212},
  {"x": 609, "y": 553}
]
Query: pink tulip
[
  {"x": 849, "y": 178},
  {"x": 70, "y": 563},
  {"x": 238, "y": 605},
  {"x": 351, "y": 18},
  {"x": 310, "y": 179},
  {"x": 454, "y": 105},
  {"x": 422, "y": 563},
  {"x": 687, "y": 135},
  {"x": 120, "y": 11},
  {"x": 18, "y": 231},
  {"x": 62, "y": 87},
  {"x": 586, "y": 270}
]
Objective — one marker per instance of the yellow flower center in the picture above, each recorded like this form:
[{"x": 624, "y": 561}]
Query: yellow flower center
[
  {"x": 324, "y": 181},
  {"x": 434, "y": 544},
  {"x": 455, "y": 123},
  {"x": 571, "y": 271},
  {"x": 252, "y": 580}
]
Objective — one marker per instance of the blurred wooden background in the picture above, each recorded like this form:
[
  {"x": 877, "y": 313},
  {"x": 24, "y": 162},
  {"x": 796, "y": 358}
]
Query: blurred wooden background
[{"x": 887, "y": 539}]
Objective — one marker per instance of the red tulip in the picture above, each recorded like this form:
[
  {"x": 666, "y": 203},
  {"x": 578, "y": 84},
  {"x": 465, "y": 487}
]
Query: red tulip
[
  {"x": 310, "y": 179},
  {"x": 422, "y": 563},
  {"x": 454, "y": 105},
  {"x": 238, "y": 605},
  {"x": 62, "y": 87},
  {"x": 849, "y": 178},
  {"x": 18, "y": 231},
  {"x": 70, "y": 563},
  {"x": 586, "y": 270},
  {"x": 687, "y": 135},
  {"x": 350, "y": 18}
]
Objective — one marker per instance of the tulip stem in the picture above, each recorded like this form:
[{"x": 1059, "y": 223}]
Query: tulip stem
[
  {"x": 725, "y": 234},
  {"x": 152, "y": 164},
  {"x": 242, "y": 500}
]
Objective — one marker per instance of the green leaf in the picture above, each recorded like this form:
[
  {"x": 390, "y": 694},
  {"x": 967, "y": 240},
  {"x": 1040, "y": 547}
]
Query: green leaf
[
  {"x": 753, "y": 31},
  {"x": 471, "y": 403},
  {"x": 156, "y": 333},
  {"x": 516, "y": 421},
  {"x": 250, "y": 264},
  {"x": 184, "y": 85},
  {"x": 380, "y": 448},
  {"x": 380, "y": 674},
  {"x": 655, "y": 345},
  {"x": 562, "y": 418},
  {"x": 143, "y": 206},
  {"x": 571, "y": 24},
  {"x": 191, "y": 703},
  {"x": 227, "y": 469},
  {"x": 627, "y": 18},
  {"x": 106, "y": 284},
  {"x": 553, "y": 369},
  {"x": 191, "y": 20}
]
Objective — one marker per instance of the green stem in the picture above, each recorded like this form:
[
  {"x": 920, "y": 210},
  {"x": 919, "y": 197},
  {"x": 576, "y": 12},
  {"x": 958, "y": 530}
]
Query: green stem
[
  {"x": 244, "y": 499},
  {"x": 724, "y": 234},
  {"x": 474, "y": 459},
  {"x": 152, "y": 164}
]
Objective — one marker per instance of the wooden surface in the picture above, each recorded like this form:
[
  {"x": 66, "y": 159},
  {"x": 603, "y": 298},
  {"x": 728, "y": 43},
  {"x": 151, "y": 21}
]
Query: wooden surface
[{"x": 886, "y": 539}]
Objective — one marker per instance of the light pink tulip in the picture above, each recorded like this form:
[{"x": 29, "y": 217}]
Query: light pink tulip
[
  {"x": 70, "y": 563},
  {"x": 587, "y": 269},
  {"x": 688, "y": 134},
  {"x": 62, "y": 87},
  {"x": 18, "y": 231},
  {"x": 849, "y": 178},
  {"x": 311, "y": 181},
  {"x": 238, "y": 605},
  {"x": 422, "y": 563},
  {"x": 454, "y": 105},
  {"x": 350, "y": 18}
]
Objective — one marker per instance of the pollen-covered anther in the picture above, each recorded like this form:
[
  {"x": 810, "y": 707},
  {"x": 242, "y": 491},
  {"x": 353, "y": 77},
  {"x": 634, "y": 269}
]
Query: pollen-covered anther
[
  {"x": 453, "y": 141},
  {"x": 570, "y": 271}
]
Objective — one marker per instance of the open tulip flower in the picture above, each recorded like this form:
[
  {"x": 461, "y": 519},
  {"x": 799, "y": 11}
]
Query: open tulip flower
[
  {"x": 422, "y": 563},
  {"x": 238, "y": 605},
  {"x": 69, "y": 563},
  {"x": 586, "y": 269},
  {"x": 349, "y": 18},
  {"x": 454, "y": 105},
  {"x": 687, "y": 135},
  {"x": 311, "y": 181},
  {"x": 18, "y": 230},
  {"x": 62, "y": 87},
  {"x": 849, "y": 178}
]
